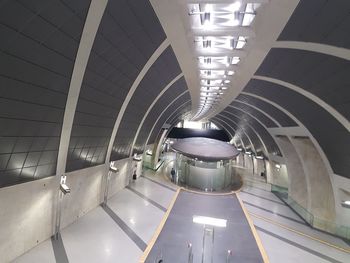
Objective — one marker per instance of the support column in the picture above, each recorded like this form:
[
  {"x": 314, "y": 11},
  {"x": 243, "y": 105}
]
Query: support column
[{"x": 321, "y": 203}]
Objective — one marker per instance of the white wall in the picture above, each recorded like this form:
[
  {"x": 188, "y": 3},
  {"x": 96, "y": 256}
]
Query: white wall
[
  {"x": 27, "y": 211},
  {"x": 26, "y": 216},
  {"x": 321, "y": 197},
  {"x": 277, "y": 176}
]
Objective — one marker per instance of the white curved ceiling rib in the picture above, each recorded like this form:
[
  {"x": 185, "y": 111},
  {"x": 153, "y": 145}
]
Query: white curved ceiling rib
[{"x": 226, "y": 42}]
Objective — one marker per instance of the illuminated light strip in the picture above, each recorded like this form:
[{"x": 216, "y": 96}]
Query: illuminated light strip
[
  {"x": 212, "y": 221},
  {"x": 300, "y": 233}
]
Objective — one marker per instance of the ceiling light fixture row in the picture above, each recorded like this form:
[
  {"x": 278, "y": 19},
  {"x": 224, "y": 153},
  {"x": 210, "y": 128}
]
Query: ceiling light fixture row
[{"x": 217, "y": 29}]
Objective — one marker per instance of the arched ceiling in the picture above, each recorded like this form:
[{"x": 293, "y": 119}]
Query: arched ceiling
[
  {"x": 220, "y": 44},
  {"x": 86, "y": 82}
]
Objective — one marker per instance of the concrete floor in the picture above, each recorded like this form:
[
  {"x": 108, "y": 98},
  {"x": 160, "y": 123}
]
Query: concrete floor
[{"x": 120, "y": 232}]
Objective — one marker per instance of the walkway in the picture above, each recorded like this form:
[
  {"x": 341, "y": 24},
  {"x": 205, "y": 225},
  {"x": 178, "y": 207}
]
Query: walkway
[
  {"x": 120, "y": 232},
  {"x": 180, "y": 229}
]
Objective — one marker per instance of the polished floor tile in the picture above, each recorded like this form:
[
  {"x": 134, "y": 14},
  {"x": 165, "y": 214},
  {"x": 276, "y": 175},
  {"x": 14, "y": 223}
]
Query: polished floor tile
[
  {"x": 41, "y": 253},
  {"x": 153, "y": 191},
  {"x": 97, "y": 238},
  {"x": 140, "y": 215}
]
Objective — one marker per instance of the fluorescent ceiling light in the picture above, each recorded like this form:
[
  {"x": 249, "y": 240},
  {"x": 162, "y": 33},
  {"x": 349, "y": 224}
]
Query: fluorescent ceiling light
[
  {"x": 241, "y": 42},
  {"x": 208, "y": 8},
  {"x": 235, "y": 60},
  {"x": 345, "y": 204},
  {"x": 235, "y": 6},
  {"x": 249, "y": 14},
  {"x": 230, "y": 72},
  {"x": 212, "y": 221},
  {"x": 278, "y": 166},
  {"x": 248, "y": 19}
]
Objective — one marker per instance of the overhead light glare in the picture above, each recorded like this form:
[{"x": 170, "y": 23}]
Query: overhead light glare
[
  {"x": 212, "y": 221},
  {"x": 235, "y": 60},
  {"x": 345, "y": 204},
  {"x": 235, "y": 6}
]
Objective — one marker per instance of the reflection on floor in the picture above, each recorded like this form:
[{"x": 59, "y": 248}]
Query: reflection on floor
[
  {"x": 214, "y": 224},
  {"x": 119, "y": 232}
]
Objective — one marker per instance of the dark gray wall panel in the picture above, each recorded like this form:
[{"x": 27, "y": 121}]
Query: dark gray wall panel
[
  {"x": 265, "y": 136},
  {"x": 333, "y": 138},
  {"x": 39, "y": 42},
  {"x": 161, "y": 73},
  {"x": 184, "y": 100},
  {"x": 127, "y": 37},
  {"x": 179, "y": 114},
  {"x": 176, "y": 117},
  {"x": 223, "y": 126},
  {"x": 220, "y": 126},
  {"x": 325, "y": 76},
  {"x": 172, "y": 93},
  {"x": 320, "y": 21},
  {"x": 240, "y": 132},
  {"x": 246, "y": 128},
  {"x": 271, "y": 110},
  {"x": 267, "y": 121}
]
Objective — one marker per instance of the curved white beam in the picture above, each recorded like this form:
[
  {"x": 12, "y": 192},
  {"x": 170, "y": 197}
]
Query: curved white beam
[
  {"x": 172, "y": 116},
  {"x": 255, "y": 118},
  {"x": 257, "y": 134},
  {"x": 339, "y": 117},
  {"x": 133, "y": 88},
  {"x": 232, "y": 136},
  {"x": 92, "y": 22},
  {"x": 302, "y": 126},
  {"x": 160, "y": 115},
  {"x": 267, "y": 129},
  {"x": 169, "y": 15},
  {"x": 219, "y": 124},
  {"x": 315, "y": 47},
  {"x": 150, "y": 108},
  {"x": 222, "y": 116},
  {"x": 175, "y": 114},
  {"x": 263, "y": 112}
]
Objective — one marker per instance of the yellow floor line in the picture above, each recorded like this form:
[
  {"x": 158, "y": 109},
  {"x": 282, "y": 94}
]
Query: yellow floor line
[
  {"x": 255, "y": 233},
  {"x": 159, "y": 229},
  {"x": 300, "y": 233}
]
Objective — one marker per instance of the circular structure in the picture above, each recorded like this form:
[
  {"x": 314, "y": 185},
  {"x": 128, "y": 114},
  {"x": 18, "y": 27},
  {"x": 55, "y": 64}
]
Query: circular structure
[{"x": 205, "y": 149}]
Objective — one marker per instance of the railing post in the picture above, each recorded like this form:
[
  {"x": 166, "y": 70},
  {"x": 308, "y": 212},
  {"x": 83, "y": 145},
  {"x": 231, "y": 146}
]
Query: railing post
[
  {"x": 229, "y": 256},
  {"x": 190, "y": 253}
]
